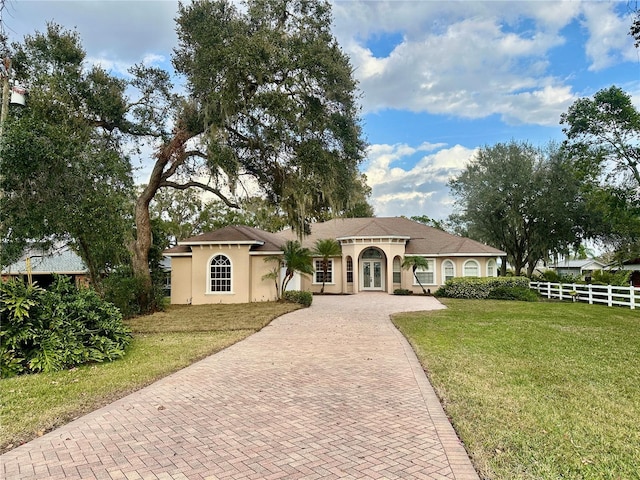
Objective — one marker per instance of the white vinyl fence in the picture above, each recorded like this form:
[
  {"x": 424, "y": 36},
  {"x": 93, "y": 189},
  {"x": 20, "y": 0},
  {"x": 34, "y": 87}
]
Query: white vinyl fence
[{"x": 607, "y": 294}]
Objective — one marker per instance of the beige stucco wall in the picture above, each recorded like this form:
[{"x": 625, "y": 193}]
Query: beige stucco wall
[
  {"x": 190, "y": 275},
  {"x": 261, "y": 290},
  {"x": 458, "y": 262},
  {"x": 181, "y": 280},
  {"x": 240, "y": 274}
]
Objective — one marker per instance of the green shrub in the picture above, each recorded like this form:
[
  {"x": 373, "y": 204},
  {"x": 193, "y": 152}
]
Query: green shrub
[
  {"x": 298, "y": 296},
  {"x": 128, "y": 293},
  {"x": 49, "y": 330},
  {"x": 523, "y": 294},
  {"x": 607, "y": 277},
  {"x": 475, "y": 287},
  {"x": 402, "y": 291}
]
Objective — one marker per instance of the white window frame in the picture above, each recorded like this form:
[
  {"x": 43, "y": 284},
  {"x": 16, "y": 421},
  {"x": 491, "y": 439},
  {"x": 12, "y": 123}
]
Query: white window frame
[
  {"x": 210, "y": 291},
  {"x": 317, "y": 262},
  {"x": 468, "y": 262},
  {"x": 431, "y": 270},
  {"x": 397, "y": 274},
  {"x": 349, "y": 266},
  {"x": 492, "y": 263},
  {"x": 444, "y": 269}
]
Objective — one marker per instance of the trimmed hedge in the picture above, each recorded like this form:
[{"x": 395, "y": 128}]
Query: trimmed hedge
[
  {"x": 476, "y": 287},
  {"x": 298, "y": 296},
  {"x": 522, "y": 294},
  {"x": 402, "y": 291}
]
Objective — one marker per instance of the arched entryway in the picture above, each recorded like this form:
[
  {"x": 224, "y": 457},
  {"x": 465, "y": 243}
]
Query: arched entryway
[{"x": 372, "y": 269}]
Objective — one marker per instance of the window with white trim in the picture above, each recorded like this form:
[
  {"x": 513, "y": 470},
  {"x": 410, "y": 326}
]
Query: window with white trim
[
  {"x": 425, "y": 275},
  {"x": 397, "y": 270},
  {"x": 471, "y": 268},
  {"x": 491, "y": 268},
  {"x": 319, "y": 275},
  {"x": 220, "y": 274},
  {"x": 448, "y": 270},
  {"x": 349, "y": 269}
]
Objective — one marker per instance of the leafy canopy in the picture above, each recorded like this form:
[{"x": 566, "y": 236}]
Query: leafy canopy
[{"x": 521, "y": 199}]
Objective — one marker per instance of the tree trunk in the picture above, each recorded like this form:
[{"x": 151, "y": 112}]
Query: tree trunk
[
  {"x": 144, "y": 238},
  {"x": 94, "y": 274},
  {"x": 170, "y": 152},
  {"x": 418, "y": 280}
]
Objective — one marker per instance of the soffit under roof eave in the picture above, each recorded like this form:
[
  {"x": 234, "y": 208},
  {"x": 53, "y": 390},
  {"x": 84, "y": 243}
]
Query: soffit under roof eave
[
  {"x": 370, "y": 237},
  {"x": 485, "y": 254},
  {"x": 223, "y": 242},
  {"x": 254, "y": 252}
]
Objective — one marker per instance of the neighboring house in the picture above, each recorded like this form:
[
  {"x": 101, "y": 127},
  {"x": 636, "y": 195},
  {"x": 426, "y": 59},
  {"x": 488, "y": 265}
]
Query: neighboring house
[
  {"x": 577, "y": 268},
  {"x": 45, "y": 264},
  {"x": 228, "y": 265}
]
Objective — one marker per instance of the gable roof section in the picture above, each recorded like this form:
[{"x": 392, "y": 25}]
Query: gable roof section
[
  {"x": 259, "y": 240},
  {"x": 421, "y": 239}
]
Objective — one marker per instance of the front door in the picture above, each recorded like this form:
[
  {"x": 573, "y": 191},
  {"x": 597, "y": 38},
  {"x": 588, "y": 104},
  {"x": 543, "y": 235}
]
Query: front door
[{"x": 371, "y": 275}]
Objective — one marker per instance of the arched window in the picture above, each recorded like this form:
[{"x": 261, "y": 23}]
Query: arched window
[
  {"x": 220, "y": 274},
  {"x": 491, "y": 268},
  {"x": 448, "y": 270},
  {"x": 471, "y": 268},
  {"x": 397, "y": 270}
]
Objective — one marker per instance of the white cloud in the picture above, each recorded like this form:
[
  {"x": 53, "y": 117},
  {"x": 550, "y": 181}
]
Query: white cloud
[
  {"x": 417, "y": 190},
  {"x": 609, "y": 40},
  {"x": 475, "y": 59}
]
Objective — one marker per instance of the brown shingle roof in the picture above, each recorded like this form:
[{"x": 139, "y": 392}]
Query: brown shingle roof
[
  {"x": 261, "y": 241},
  {"x": 422, "y": 239}
]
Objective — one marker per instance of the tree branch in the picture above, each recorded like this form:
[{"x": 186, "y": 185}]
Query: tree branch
[{"x": 202, "y": 186}]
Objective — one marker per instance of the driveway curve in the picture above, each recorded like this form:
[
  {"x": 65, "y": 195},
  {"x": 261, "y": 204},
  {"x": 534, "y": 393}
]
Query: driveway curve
[{"x": 329, "y": 392}]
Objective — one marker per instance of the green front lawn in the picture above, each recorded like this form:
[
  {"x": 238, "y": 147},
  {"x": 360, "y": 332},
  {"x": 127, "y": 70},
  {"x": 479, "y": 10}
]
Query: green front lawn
[
  {"x": 164, "y": 342},
  {"x": 536, "y": 390}
]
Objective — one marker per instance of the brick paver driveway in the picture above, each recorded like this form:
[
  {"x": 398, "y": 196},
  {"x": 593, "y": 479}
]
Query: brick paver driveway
[{"x": 333, "y": 391}]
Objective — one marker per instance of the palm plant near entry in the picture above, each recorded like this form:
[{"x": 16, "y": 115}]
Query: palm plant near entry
[
  {"x": 326, "y": 248},
  {"x": 414, "y": 262},
  {"x": 294, "y": 258}
]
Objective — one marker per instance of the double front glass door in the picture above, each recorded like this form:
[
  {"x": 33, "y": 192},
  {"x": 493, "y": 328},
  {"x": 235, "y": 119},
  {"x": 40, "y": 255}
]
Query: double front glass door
[{"x": 371, "y": 275}]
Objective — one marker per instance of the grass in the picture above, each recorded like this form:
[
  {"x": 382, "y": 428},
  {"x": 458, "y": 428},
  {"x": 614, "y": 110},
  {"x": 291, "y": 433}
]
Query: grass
[
  {"x": 163, "y": 343},
  {"x": 542, "y": 390}
]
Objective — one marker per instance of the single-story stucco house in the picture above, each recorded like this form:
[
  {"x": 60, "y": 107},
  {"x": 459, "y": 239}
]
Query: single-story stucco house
[{"x": 228, "y": 265}]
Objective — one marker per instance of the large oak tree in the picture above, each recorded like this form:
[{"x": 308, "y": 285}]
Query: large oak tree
[
  {"x": 521, "y": 199},
  {"x": 603, "y": 140},
  {"x": 63, "y": 175},
  {"x": 270, "y": 106},
  {"x": 271, "y": 98}
]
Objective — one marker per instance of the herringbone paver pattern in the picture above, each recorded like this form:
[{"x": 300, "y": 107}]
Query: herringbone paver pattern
[{"x": 333, "y": 391}]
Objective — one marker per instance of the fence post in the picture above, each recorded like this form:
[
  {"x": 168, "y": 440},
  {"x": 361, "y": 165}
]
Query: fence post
[
  {"x": 560, "y": 291},
  {"x": 548, "y": 289},
  {"x": 632, "y": 297},
  {"x": 610, "y": 295},
  {"x": 590, "y": 294}
]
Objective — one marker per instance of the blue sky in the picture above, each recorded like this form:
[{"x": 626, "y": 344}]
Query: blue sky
[{"x": 439, "y": 79}]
